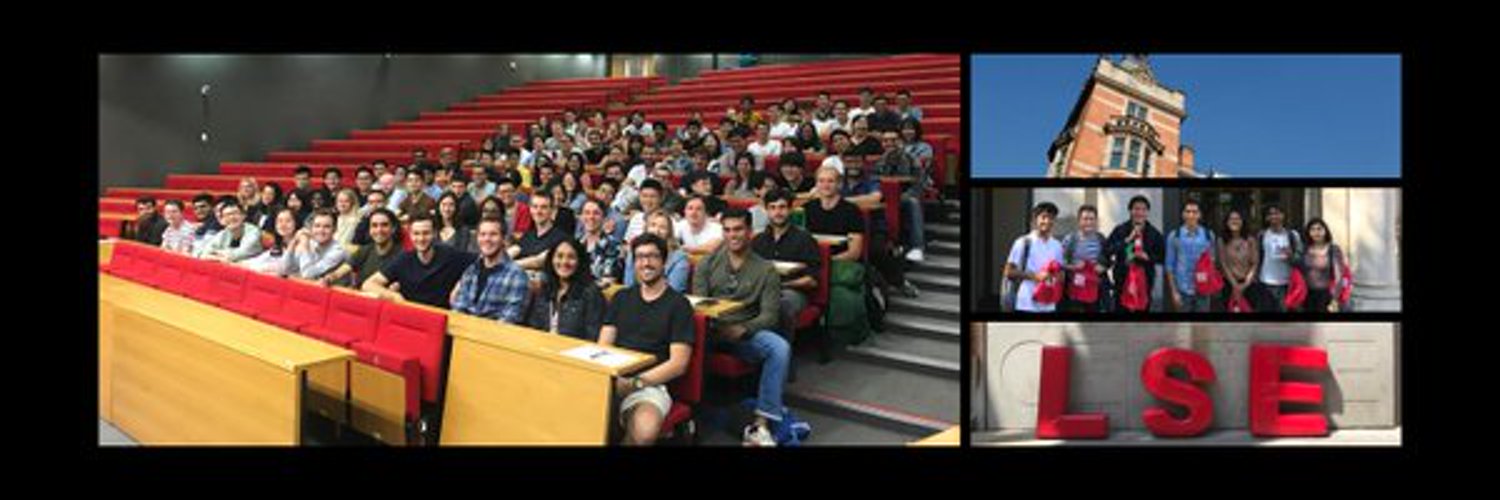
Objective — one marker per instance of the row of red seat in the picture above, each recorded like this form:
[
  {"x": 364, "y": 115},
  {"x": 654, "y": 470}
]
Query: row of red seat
[
  {"x": 711, "y": 113},
  {"x": 931, "y": 97},
  {"x": 771, "y": 90},
  {"x": 398, "y": 338},
  {"x": 792, "y": 69},
  {"x": 829, "y": 78}
]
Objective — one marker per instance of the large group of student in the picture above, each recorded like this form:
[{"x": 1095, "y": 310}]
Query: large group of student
[
  {"x": 521, "y": 231},
  {"x": 1225, "y": 269}
]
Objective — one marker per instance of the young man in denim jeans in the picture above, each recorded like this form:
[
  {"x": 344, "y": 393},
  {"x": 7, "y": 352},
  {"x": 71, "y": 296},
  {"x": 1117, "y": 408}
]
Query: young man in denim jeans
[
  {"x": 1184, "y": 247},
  {"x": 734, "y": 272}
]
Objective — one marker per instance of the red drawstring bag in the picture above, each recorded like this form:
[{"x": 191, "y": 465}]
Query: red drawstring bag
[
  {"x": 1296, "y": 291},
  {"x": 1135, "y": 295},
  {"x": 1084, "y": 287},
  {"x": 1239, "y": 304},
  {"x": 1049, "y": 291},
  {"x": 1206, "y": 277},
  {"x": 1346, "y": 282}
]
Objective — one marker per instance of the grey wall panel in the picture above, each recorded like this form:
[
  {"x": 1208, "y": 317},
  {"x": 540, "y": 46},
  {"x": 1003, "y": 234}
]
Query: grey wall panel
[{"x": 151, "y": 112}]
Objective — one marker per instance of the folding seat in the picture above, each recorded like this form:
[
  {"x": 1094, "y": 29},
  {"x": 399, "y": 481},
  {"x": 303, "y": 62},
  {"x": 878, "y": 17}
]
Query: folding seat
[
  {"x": 687, "y": 390},
  {"x": 350, "y": 318},
  {"x": 263, "y": 295},
  {"x": 809, "y": 316},
  {"x": 121, "y": 260},
  {"x": 303, "y": 305},
  {"x": 408, "y": 342},
  {"x": 144, "y": 265},
  {"x": 168, "y": 273},
  {"x": 227, "y": 286},
  {"x": 197, "y": 279}
]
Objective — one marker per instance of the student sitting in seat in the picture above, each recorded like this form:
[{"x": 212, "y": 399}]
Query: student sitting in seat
[
  {"x": 677, "y": 266},
  {"x": 787, "y": 242},
  {"x": 313, "y": 254},
  {"x": 831, "y": 214},
  {"x": 601, "y": 250},
  {"x": 700, "y": 234},
  {"x": 148, "y": 225},
  {"x": 373, "y": 255},
  {"x": 895, "y": 161},
  {"x": 736, "y": 273},
  {"x": 655, "y": 319},
  {"x": 493, "y": 286},
  {"x": 426, "y": 274},
  {"x": 178, "y": 235},
  {"x": 570, "y": 302},
  {"x": 238, "y": 241},
  {"x": 283, "y": 231},
  {"x": 530, "y": 253}
]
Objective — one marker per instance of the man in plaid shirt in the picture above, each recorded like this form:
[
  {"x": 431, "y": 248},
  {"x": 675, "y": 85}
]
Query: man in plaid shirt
[{"x": 493, "y": 286}]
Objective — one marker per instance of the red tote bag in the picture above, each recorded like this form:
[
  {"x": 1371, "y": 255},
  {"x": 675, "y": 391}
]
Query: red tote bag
[
  {"x": 1134, "y": 296},
  {"x": 1051, "y": 290},
  {"x": 1207, "y": 278},
  {"x": 1084, "y": 287},
  {"x": 1296, "y": 292}
]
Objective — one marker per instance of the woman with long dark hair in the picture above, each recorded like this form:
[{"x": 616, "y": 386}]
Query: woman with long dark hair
[
  {"x": 569, "y": 302},
  {"x": 1320, "y": 265},
  {"x": 1238, "y": 257}
]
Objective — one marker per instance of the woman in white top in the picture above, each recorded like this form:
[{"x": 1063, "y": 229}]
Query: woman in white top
[
  {"x": 700, "y": 234},
  {"x": 272, "y": 261},
  {"x": 347, "y": 204}
]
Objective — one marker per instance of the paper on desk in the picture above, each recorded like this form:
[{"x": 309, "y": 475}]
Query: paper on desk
[{"x": 599, "y": 355}]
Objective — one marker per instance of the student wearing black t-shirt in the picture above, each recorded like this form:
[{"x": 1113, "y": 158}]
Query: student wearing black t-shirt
[
  {"x": 652, "y": 318},
  {"x": 784, "y": 241},
  {"x": 426, "y": 274},
  {"x": 794, "y": 173},
  {"x": 832, "y": 215},
  {"x": 531, "y": 252},
  {"x": 864, "y": 143}
]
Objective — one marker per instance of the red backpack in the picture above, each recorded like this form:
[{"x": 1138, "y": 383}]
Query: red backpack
[
  {"x": 1051, "y": 290},
  {"x": 1084, "y": 287},
  {"x": 1207, "y": 278},
  {"x": 1296, "y": 291},
  {"x": 1135, "y": 295}
]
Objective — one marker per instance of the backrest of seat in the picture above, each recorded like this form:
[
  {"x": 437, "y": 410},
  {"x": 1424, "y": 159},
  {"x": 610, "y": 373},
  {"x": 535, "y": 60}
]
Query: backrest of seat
[
  {"x": 352, "y": 314},
  {"x": 263, "y": 293},
  {"x": 890, "y": 191},
  {"x": 228, "y": 283},
  {"x": 825, "y": 273},
  {"x": 419, "y": 332},
  {"x": 169, "y": 269},
  {"x": 146, "y": 263},
  {"x": 122, "y": 257},
  {"x": 688, "y": 388},
  {"x": 197, "y": 278},
  {"x": 304, "y": 301}
]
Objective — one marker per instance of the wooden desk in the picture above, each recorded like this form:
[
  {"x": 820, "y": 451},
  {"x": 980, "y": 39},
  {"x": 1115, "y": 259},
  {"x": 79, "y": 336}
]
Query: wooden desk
[
  {"x": 718, "y": 309},
  {"x": 511, "y": 385},
  {"x": 949, "y": 437},
  {"x": 177, "y": 371}
]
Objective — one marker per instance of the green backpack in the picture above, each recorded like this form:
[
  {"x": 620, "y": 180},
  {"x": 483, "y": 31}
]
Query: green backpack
[{"x": 846, "y": 302}]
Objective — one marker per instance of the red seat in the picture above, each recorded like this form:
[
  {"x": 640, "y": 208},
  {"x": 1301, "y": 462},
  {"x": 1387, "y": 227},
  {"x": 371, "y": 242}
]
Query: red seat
[
  {"x": 197, "y": 279},
  {"x": 303, "y": 305},
  {"x": 350, "y": 318},
  {"x": 141, "y": 263},
  {"x": 687, "y": 390},
  {"x": 228, "y": 285},
  {"x": 809, "y": 316},
  {"x": 409, "y": 342},
  {"x": 122, "y": 260},
  {"x": 168, "y": 273},
  {"x": 263, "y": 295}
]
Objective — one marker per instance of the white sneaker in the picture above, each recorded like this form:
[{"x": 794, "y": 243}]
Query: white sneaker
[
  {"x": 758, "y": 435},
  {"x": 915, "y": 255}
]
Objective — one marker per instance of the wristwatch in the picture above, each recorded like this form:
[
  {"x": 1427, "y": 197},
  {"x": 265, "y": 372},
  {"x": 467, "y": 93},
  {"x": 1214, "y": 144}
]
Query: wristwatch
[{"x": 637, "y": 384}]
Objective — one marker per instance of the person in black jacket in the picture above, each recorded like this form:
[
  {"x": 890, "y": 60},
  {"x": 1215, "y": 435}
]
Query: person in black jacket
[
  {"x": 148, "y": 225},
  {"x": 569, "y": 302},
  {"x": 1123, "y": 250}
]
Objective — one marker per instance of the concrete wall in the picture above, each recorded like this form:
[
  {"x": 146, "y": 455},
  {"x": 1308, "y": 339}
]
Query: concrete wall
[
  {"x": 151, "y": 111},
  {"x": 1360, "y": 389}
]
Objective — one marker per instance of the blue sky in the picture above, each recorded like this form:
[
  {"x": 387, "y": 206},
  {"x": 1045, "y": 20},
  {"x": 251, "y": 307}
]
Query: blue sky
[{"x": 1248, "y": 115}]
